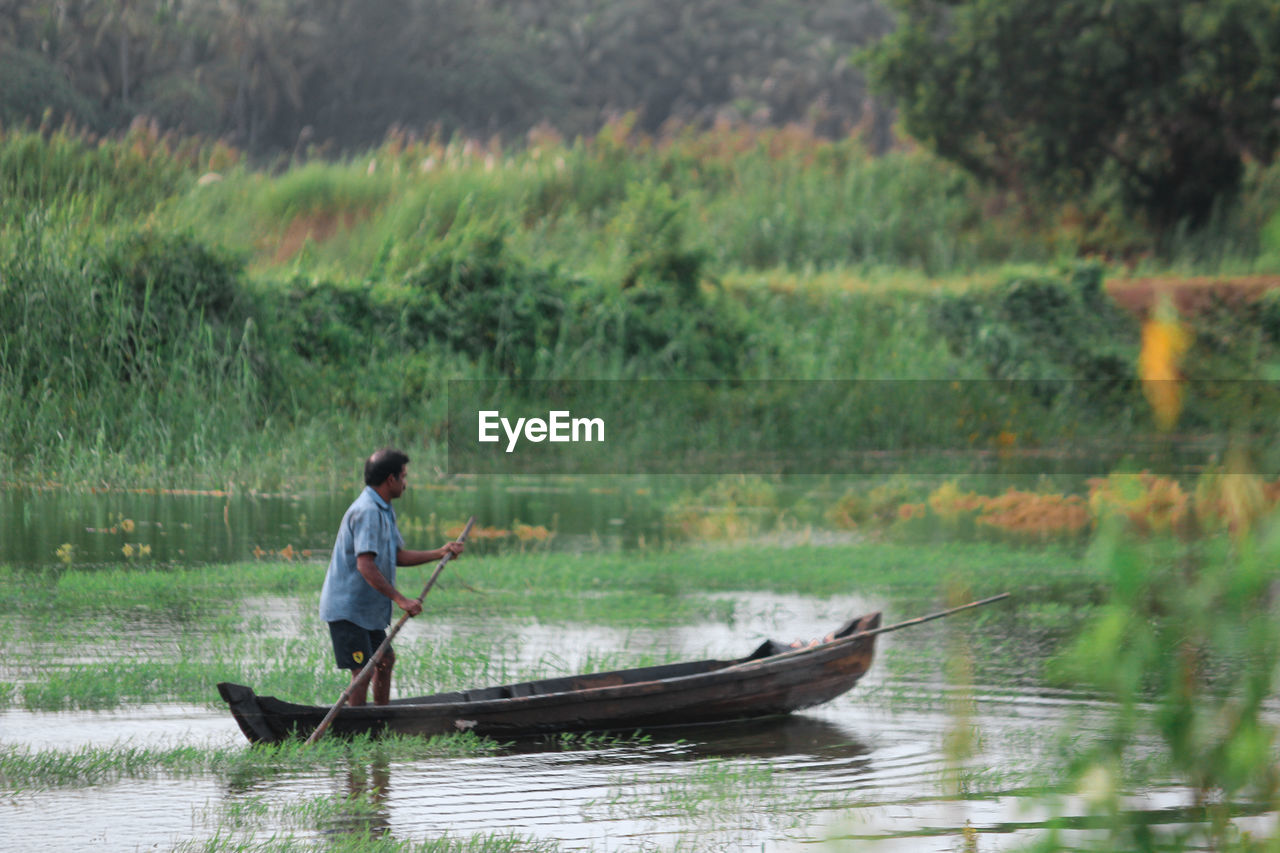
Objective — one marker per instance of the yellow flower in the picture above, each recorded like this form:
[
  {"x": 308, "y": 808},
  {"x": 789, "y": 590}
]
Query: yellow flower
[
  {"x": 127, "y": 550},
  {"x": 144, "y": 550},
  {"x": 127, "y": 525}
]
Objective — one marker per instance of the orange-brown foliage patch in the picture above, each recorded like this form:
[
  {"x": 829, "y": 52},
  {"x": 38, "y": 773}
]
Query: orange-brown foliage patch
[
  {"x": 1148, "y": 502},
  {"x": 1023, "y": 514},
  {"x": 316, "y": 227},
  {"x": 478, "y": 531},
  {"x": 1035, "y": 515},
  {"x": 1191, "y": 296}
]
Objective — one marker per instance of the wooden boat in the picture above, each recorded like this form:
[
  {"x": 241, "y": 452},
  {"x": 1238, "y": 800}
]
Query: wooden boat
[{"x": 774, "y": 679}]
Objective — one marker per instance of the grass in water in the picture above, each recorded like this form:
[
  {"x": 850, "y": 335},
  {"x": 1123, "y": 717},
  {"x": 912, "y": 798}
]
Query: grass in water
[
  {"x": 718, "y": 794},
  {"x": 171, "y": 635},
  {"x": 24, "y": 768},
  {"x": 371, "y": 843}
]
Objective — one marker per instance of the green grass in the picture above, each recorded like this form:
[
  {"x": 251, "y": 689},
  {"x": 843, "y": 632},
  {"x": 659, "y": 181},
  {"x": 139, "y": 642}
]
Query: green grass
[
  {"x": 174, "y": 591},
  {"x": 579, "y": 587},
  {"x": 190, "y": 628},
  {"x": 131, "y": 296},
  {"x": 371, "y": 843},
  {"x": 710, "y": 790},
  {"x": 25, "y": 769}
]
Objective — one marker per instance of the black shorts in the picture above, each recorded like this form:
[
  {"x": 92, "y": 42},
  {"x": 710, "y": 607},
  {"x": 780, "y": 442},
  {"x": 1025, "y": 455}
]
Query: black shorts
[{"x": 353, "y": 645}]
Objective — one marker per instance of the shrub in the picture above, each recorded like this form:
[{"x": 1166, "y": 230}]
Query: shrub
[
  {"x": 1145, "y": 501},
  {"x": 730, "y": 508},
  {"x": 652, "y": 233},
  {"x": 475, "y": 292},
  {"x": 1066, "y": 340},
  {"x": 163, "y": 289}
]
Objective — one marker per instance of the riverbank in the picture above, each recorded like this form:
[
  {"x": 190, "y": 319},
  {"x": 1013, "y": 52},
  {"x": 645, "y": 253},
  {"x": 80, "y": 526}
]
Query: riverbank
[{"x": 175, "y": 319}]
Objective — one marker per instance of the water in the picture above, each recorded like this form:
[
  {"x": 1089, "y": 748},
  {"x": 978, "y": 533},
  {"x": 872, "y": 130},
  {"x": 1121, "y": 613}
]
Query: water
[
  {"x": 58, "y": 526},
  {"x": 869, "y": 770},
  {"x": 854, "y": 771}
]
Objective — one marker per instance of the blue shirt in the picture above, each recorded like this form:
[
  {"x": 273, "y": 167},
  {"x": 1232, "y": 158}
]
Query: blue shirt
[{"x": 369, "y": 526}]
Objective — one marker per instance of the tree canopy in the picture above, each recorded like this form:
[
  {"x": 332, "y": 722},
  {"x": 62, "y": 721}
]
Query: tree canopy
[
  {"x": 268, "y": 75},
  {"x": 1164, "y": 100}
]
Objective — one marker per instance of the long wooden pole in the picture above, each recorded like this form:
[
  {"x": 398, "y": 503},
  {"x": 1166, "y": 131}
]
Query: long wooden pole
[
  {"x": 920, "y": 619},
  {"x": 386, "y": 644},
  {"x": 887, "y": 628}
]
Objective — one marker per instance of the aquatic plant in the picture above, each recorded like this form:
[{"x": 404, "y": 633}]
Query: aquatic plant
[
  {"x": 733, "y": 507},
  {"x": 1146, "y": 501},
  {"x": 26, "y": 768}
]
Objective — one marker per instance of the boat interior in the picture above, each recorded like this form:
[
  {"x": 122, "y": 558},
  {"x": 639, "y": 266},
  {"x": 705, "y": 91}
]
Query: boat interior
[{"x": 570, "y": 683}]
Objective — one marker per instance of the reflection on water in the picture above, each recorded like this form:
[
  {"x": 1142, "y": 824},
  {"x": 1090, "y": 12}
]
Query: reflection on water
[
  {"x": 370, "y": 786},
  {"x": 52, "y": 527},
  {"x": 869, "y": 774}
]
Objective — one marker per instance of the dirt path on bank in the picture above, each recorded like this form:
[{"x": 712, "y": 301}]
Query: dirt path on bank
[{"x": 1191, "y": 296}]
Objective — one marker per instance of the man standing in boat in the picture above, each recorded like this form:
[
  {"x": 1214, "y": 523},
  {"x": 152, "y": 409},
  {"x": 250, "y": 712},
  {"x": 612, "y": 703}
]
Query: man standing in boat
[{"x": 360, "y": 585}]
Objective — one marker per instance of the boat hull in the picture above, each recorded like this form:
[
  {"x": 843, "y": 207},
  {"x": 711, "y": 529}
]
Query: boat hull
[{"x": 771, "y": 681}]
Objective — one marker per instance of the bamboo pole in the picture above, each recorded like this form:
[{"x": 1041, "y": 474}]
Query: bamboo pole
[
  {"x": 886, "y": 629},
  {"x": 921, "y": 619},
  {"x": 367, "y": 672}
]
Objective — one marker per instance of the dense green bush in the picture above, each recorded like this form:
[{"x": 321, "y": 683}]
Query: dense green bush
[
  {"x": 147, "y": 343},
  {"x": 1064, "y": 339},
  {"x": 652, "y": 233},
  {"x": 476, "y": 293},
  {"x": 164, "y": 288},
  {"x": 473, "y": 291},
  {"x": 1269, "y": 317}
]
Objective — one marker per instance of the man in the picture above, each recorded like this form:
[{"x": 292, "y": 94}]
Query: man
[{"x": 360, "y": 585}]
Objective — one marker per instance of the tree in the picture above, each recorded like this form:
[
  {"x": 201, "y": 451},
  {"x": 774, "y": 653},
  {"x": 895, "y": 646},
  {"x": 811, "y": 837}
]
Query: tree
[{"x": 1167, "y": 98}]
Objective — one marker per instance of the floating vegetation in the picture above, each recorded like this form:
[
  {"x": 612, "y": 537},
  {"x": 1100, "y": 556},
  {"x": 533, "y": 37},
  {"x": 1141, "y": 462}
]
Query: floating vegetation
[
  {"x": 735, "y": 507},
  {"x": 718, "y": 795},
  {"x": 1146, "y": 503},
  {"x": 25, "y": 768},
  {"x": 597, "y": 740},
  {"x": 288, "y": 553}
]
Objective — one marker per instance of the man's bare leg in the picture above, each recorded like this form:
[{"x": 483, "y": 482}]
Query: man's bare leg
[{"x": 358, "y": 692}]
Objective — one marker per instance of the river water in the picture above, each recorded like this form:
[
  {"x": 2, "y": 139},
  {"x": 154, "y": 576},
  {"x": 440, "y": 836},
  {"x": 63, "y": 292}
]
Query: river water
[
  {"x": 114, "y": 526},
  {"x": 868, "y": 771},
  {"x": 871, "y": 770}
]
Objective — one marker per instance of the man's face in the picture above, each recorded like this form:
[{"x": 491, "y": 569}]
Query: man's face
[{"x": 397, "y": 482}]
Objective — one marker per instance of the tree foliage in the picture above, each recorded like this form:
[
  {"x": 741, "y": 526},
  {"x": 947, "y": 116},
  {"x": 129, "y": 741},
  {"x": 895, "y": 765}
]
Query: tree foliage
[
  {"x": 1164, "y": 99},
  {"x": 273, "y": 75}
]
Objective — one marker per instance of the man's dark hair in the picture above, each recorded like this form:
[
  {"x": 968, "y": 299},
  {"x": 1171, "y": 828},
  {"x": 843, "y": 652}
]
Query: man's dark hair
[{"x": 383, "y": 464}]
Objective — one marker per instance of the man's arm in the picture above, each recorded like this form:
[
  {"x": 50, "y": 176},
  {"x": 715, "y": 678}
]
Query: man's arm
[
  {"x": 417, "y": 558},
  {"x": 369, "y": 571}
]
